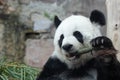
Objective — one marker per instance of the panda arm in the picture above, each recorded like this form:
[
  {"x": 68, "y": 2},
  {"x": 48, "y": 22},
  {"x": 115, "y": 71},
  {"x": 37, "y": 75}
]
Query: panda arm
[
  {"x": 113, "y": 69},
  {"x": 53, "y": 67},
  {"x": 109, "y": 70}
]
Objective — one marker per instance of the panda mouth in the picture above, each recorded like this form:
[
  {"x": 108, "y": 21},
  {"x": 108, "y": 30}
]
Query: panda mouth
[
  {"x": 76, "y": 54},
  {"x": 72, "y": 56}
]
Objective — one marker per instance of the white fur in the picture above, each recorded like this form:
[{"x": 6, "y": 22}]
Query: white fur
[
  {"x": 67, "y": 27},
  {"x": 75, "y": 63}
]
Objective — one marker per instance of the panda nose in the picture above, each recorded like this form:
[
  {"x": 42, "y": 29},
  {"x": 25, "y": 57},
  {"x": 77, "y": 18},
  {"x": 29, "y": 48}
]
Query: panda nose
[{"x": 67, "y": 47}]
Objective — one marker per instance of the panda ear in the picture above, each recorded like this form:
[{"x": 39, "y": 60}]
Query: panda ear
[
  {"x": 97, "y": 17},
  {"x": 57, "y": 21}
]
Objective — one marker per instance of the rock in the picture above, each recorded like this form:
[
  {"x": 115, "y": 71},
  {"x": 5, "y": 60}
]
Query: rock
[
  {"x": 38, "y": 8},
  {"x": 1, "y": 37},
  {"x": 24, "y": 1},
  {"x": 41, "y": 23},
  {"x": 13, "y": 3},
  {"x": 59, "y": 2},
  {"x": 38, "y": 51},
  {"x": 48, "y": 1}
]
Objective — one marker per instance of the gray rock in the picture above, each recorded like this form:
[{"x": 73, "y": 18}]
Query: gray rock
[
  {"x": 48, "y": 1},
  {"x": 1, "y": 37},
  {"x": 44, "y": 9},
  {"x": 24, "y": 1},
  {"x": 38, "y": 51},
  {"x": 41, "y": 23}
]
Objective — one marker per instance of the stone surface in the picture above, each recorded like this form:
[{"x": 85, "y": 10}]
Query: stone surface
[
  {"x": 38, "y": 51},
  {"x": 48, "y": 1},
  {"x": 41, "y": 23},
  {"x": 24, "y": 1},
  {"x": 13, "y": 38},
  {"x": 13, "y": 3},
  {"x": 1, "y": 37},
  {"x": 42, "y": 9}
]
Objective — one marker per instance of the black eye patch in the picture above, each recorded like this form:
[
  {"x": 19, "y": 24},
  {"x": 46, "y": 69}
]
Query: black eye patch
[
  {"x": 78, "y": 36},
  {"x": 60, "y": 40}
]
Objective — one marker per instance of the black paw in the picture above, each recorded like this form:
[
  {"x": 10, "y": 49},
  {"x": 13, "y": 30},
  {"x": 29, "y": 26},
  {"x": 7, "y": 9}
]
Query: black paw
[{"x": 102, "y": 42}]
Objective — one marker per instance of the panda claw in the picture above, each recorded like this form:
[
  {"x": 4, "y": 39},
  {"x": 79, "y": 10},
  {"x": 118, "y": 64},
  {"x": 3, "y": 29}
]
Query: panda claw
[{"x": 101, "y": 42}]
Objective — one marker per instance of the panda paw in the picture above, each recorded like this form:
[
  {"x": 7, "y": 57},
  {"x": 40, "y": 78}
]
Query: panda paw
[{"x": 101, "y": 42}]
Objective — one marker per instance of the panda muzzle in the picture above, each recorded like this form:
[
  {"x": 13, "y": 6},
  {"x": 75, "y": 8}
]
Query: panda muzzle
[{"x": 73, "y": 54}]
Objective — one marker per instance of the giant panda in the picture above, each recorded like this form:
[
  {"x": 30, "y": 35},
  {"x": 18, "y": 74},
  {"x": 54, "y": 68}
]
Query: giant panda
[{"x": 75, "y": 33}]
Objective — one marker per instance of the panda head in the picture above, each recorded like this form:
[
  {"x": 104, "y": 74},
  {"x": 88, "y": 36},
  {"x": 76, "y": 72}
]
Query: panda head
[{"x": 74, "y": 33}]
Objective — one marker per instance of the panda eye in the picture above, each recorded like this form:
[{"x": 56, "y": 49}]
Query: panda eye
[
  {"x": 78, "y": 36},
  {"x": 61, "y": 40}
]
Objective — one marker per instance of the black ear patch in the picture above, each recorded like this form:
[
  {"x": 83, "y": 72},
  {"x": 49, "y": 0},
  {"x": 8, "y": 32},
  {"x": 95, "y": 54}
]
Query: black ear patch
[
  {"x": 57, "y": 21},
  {"x": 78, "y": 36},
  {"x": 98, "y": 17}
]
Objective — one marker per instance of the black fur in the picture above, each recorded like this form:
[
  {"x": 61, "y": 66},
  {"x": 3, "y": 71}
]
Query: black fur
[
  {"x": 98, "y": 17},
  {"x": 81, "y": 71},
  {"x": 56, "y": 70},
  {"x": 52, "y": 68},
  {"x": 108, "y": 70},
  {"x": 78, "y": 36},
  {"x": 105, "y": 71},
  {"x": 57, "y": 21},
  {"x": 102, "y": 42},
  {"x": 60, "y": 40}
]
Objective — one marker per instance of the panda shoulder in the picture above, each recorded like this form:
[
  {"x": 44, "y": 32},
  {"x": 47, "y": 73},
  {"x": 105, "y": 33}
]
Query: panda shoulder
[
  {"x": 55, "y": 63},
  {"x": 52, "y": 67}
]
